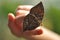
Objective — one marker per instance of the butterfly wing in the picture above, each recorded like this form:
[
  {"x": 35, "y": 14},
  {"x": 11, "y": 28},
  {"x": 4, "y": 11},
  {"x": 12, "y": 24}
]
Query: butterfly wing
[
  {"x": 34, "y": 18},
  {"x": 38, "y": 11}
]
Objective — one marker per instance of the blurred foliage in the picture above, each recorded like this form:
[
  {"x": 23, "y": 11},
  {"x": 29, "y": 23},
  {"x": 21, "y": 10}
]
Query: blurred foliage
[{"x": 51, "y": 18}]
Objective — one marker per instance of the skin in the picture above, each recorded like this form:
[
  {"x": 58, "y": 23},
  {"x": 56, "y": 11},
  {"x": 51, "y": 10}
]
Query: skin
[{"x": 15, "y": 24}]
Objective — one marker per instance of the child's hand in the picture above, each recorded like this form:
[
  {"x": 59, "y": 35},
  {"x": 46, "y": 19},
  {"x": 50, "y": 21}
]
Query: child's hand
[{"x": 15, "y": 23}]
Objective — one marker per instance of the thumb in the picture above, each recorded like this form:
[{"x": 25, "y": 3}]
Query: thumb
[{"x": 11, "y": 17}]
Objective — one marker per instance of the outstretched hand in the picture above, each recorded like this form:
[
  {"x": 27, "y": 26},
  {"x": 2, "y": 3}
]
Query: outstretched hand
[{"x": 15, "y": 23}]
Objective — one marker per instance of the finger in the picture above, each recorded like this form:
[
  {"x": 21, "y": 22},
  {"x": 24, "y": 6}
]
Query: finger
[
  {"x": 37, "y": 31},
  {"x": 11, "y": 22},
  {"x": 12, "y": 26},
  {"x": 24, "y": 7},
  {"x": 11, "y": 17},
  {"x": 21, "y": 13}
]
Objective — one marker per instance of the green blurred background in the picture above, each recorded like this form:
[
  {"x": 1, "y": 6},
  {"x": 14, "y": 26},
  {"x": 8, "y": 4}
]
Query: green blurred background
[{"x": 51, "y": 18}]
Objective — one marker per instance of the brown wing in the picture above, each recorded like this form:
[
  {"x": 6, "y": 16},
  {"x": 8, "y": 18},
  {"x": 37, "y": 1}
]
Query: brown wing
[
  {"x": 38, "y": 11},
  {"x": 30, "y": 23},
  {"x": 34, "y": 18}
]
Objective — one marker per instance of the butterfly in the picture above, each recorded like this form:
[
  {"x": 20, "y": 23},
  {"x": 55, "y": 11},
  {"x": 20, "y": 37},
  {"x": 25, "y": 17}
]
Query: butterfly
[{"x": 34, "y": 18}]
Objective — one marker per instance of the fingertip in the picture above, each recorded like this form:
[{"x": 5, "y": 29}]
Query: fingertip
[
  {"x": 39, "y": 32},
  {"x": 11, "y": 17}
]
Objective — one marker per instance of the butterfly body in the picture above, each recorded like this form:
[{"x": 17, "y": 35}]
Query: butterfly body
[{"x": 34, "y": 18}]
